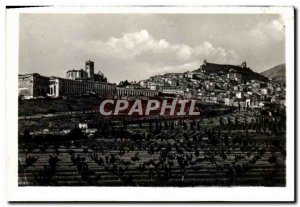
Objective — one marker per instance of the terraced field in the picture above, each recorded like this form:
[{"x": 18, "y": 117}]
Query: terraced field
[{"x": 159, "y": 158}]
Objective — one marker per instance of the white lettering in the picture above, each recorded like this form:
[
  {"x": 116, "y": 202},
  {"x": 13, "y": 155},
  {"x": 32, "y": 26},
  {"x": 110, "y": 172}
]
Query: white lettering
[
  {"x": 191, "y": 111},
  {"x": 182, "y": 107},
  {"x": 165, "y": 106},
  {"x": 102, "y": 105},
  {"x": 151, "y": 107},
  {"x": 136, "y": 107},
  {"x": 119, "y": 107}
]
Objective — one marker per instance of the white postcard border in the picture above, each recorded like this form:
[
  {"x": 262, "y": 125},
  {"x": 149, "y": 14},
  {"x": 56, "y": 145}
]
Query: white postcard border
[{"x": 15, "y": 193}]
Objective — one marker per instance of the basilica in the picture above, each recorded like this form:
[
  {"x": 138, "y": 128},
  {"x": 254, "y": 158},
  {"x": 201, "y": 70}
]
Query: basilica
[{"x": 76, "y": 82}]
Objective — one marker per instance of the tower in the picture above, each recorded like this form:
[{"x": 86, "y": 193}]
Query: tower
[
  {"x": 244, "y": 65},
  {"x": 89, "y": 69}
]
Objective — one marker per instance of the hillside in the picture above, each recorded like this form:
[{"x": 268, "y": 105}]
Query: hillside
[
  {"x": 247, "y": 73},
  {"x": 56, "y": 105},
  {"x": 277, "y": 73}
]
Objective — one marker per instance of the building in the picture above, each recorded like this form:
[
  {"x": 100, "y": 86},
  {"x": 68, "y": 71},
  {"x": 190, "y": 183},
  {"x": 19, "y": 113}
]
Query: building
[
  {"x": 89, "y": 68},
  {"x": 143, "y": 84},
  {"x": 100, "y": 77},
  {"x": 64, "y": 87},
  {"x": 208, "y": 99},
  {"x": 133, "y": 85},
  {"x": 135, "y": 92},
  {"x": 209, "y": 85},
  {"x": 194, "y": 74},
  {"x": 173, "y": 90},
  {"x": 81, "y": 82},
  {"x": 156, "y": 84},
  {"x": 239, "y": 95},
  {"x": 33, "y": 85},
  {"x": 76, "y": 74},
  {"x": 172, "y": 82},
  {"x": 153, "y": 87},
  {"x": 228, "y": 101},
  {"x": 248, "y": 102},
  {"x": 87, "y": 74},
  {"x": 264, "y": 91},
  {"x": 233, "y": 75}
]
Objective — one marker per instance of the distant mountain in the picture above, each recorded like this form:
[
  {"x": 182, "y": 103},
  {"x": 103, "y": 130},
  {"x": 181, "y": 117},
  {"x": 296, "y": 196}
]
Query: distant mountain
[
  {"x": 246, "y": 72},
  {"x": 277, "y": 73}
]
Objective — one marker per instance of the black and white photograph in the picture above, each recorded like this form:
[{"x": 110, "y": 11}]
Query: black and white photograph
[{"x": 153, "y": 100}]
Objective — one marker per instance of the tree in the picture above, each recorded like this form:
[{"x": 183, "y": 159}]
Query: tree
[
  {"x": 26, "y": 136},
  {"x": 124, "y": 83},
  {"x": 221, "y": 121},
  {"x": 76, "y": 133},
  {"x": 229, "y": 120},
  {"x": 172, "y": 125},
  {"x": 184, "y": 125},
  {"x": 150, "y": 125}
]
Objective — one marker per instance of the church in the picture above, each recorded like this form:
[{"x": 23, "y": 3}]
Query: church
[{"x": 76, "y": 82}]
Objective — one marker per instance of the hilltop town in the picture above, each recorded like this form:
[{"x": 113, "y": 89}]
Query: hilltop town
[{"x": 231, "y": 85}]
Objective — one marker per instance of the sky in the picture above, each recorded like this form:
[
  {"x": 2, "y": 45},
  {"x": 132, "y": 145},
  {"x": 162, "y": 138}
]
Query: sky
[{"x": 136, "y": 46}]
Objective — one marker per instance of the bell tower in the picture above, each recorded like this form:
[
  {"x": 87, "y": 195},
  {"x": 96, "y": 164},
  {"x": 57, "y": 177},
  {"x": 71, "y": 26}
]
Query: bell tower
[{"x": 89, "y": 69}]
